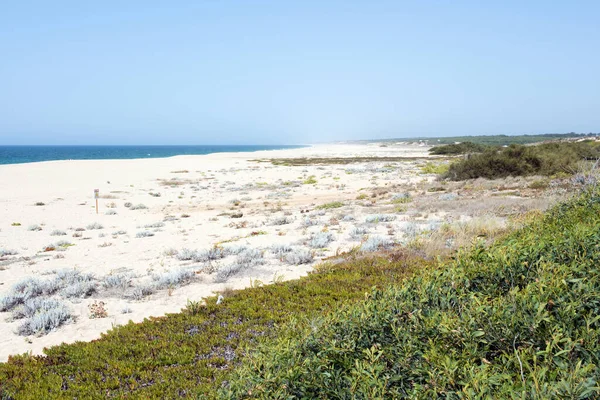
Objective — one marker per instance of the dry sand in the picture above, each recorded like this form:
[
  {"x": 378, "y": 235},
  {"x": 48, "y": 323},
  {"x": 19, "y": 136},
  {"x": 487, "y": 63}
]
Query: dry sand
[{"x": 190, "y": 201}]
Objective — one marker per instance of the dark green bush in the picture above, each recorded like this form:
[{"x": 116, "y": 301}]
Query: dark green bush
[
  {"x": 518, "y": 320},
  {"x": 516, "y": 160},
  {"x": 458, "y": 148}
]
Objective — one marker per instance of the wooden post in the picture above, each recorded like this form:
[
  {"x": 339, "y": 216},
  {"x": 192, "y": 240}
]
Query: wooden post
[{"x": 96, "y": 195}]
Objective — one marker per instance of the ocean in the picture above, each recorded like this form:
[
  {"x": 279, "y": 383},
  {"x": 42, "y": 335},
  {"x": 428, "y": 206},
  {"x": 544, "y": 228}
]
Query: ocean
[{"x": 27, "y": 154}]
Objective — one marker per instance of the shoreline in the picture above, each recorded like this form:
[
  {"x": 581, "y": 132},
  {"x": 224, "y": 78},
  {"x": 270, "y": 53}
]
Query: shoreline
[{"x": 282, "y": 147}]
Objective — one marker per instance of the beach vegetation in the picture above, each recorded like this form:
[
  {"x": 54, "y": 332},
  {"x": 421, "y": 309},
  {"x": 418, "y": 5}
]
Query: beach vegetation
[
  {"x": 8, "y": 252},
  {"x": 155, "y": 225},
  {"x": 311, "y": 180},
  {"x": 448, "y": 196},
  {"x": 544, "y": 159},
  {"x": 280, "y": 250},
  {"x": 119, "y": 281},
  {"x": 357, "y": 232},
  {"x": 298, "y": 256},
  {"x": 331, "y": 205},
  {"x": 375, "y": 243},
  {"x": 34, "y": 228},
  {"x": 435, "y": 168},
  {"x": 139, "y": 206},
  {"x": 517, "y": 318},
  {"x": 512, "y": 320},
  {"x": 458, "y": 148},
  {"x": 376, "y": 218},
  {"x": 94, "y": 225},
  {"x": 281, "y": 221},
  {"x": 41, "y": 316},
  {"x": 401, "y": 198},
  {"x": 320, "y": 240},
  {"x": 174, "y": 278}
]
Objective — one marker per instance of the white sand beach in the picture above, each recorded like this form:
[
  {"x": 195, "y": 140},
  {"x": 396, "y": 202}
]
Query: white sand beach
[{"x": 262, "y": 218}]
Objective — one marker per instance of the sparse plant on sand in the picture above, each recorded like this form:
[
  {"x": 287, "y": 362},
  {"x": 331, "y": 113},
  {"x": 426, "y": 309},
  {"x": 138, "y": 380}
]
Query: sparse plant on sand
[
  {"x": 155, "y": 225},
  {"x": 358, "y": 232},
  {"x": 375, "y": 243},
  {"x": 281, "y": 221},
  {"x": 311, "y": 180},
  {"x": 8, "y": 252},
  {"x": 95, "y": 225},
  {"x": 98, "y": 310},
  {"x": 173, "y": 278},
  {"x": 401, "y": 198},
  {"x": 320, "y": 240},
  {"x": 42, "y": 316},
  {"x": 144, "y": 234},
  {"x": 331, "y": 205},
  {"x": 374, "y": 219},
  {"x": 298, "y": 257}
]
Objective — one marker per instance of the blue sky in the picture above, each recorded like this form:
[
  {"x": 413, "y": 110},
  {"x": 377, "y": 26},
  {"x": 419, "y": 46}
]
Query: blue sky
[{"x": 273, "y": 72}]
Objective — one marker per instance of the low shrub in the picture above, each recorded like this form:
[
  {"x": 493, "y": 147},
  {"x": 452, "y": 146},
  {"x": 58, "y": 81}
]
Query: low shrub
[
  {"x": 357, "y": 232},
  {"x": 516, "y": 160},
  {"x": 374, "y": 219},
  {"x": 154, "y": 225},
  {"x": 375, "y": 243},
  {"x": 116, "y": 281},
  {"x": 279, "y": 250},
  {"x": 212, "y": 254},
  {"x": 44, "y": 316},
  {"x": 458, "y": 148},
  {"x": 143, "y": 234},
  {"x": 298, "y": 257},
  {"x": 435, "y": 168},
  {"x": 281, "y": 221},
  {"x": 331, "y": 205},
  {"x": 173, "y": 278},
  {"x": 320, "y": 240},
  {"x": 8, "y": 252},
  {"x": 94, "y": 225},
  {"x": 516, "y": 320},
  {"x": 311, "y": 180},
  {"x": 401, "y": 198}
]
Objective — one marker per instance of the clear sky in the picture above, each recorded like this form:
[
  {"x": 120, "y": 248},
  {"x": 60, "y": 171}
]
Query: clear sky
[{"x": 283, "y": 71}]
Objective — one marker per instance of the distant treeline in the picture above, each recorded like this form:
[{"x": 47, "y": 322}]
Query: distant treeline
[
  {"x": 493, "y": 140},
  {"x": 505, "y": 140}
]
